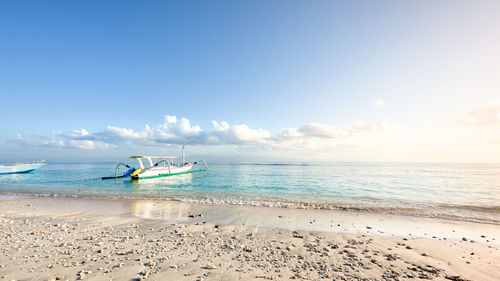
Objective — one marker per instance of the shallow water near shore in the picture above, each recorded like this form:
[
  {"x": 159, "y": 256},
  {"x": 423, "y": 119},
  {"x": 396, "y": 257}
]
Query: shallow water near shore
[
  {"x": 336, "y": 221},
  {"x": 468, "y": 192}
]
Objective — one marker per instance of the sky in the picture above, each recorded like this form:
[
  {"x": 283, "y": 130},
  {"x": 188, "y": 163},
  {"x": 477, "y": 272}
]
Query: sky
[{"x": 270, "y": 81}]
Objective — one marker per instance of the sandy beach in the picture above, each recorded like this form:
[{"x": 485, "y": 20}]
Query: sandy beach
[
  {"x": 92, "y": 239},
  {"x": 250, "y": 140}
]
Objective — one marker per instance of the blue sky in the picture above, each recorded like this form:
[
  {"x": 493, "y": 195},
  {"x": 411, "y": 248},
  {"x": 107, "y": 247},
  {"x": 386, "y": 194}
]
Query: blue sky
[{"x": 409, "y": 72}]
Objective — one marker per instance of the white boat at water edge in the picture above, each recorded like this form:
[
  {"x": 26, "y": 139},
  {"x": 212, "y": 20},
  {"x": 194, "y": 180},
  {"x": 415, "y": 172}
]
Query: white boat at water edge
[
  {"x": 20, "y": 168},
  {"x": 157, "y": 167}
]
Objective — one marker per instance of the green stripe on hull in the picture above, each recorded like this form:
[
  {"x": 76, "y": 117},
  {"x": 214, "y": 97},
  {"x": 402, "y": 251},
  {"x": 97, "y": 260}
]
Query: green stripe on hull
[{"x": 167, "y": 175}]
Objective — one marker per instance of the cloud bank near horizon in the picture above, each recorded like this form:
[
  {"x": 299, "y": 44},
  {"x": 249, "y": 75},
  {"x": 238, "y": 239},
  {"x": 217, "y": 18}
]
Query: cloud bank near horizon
[
  {"x": 174, "y": 131},
  {"x": 487, "y": 116}
]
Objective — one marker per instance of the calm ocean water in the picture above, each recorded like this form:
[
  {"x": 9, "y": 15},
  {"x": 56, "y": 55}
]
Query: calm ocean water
[{"x": 455, "y": 191}]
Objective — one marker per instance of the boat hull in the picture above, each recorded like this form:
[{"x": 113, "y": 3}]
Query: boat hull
[
  {"x": 18, "y": 169},
  {"x": 159, "y": 172}
]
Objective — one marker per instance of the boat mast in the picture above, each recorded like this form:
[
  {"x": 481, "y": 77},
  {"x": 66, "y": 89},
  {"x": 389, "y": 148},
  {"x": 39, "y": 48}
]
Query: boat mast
[{"x": 183, "y": 156}]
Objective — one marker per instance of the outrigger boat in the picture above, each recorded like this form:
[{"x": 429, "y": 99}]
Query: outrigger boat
[
  {"x": 159, "y": 166},
  {"x": 20, "y": 168}
]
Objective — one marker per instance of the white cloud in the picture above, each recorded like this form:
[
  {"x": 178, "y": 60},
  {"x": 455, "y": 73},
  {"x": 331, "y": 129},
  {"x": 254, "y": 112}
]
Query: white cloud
[
  {"x": 88, "y": 144},
  {"x": 19, "y": 140},
  {"x": 495, "y": 141},
  {"x": 53, "y": 143},
  {"x": 36, "y": 141},
  {"x": 170, "y": 119},
  {"x": 82, "y": 144},
  {"x": 488, "y": 116},
  {"x": 180, "y": 131},
  {"x": 223, "y": 133},
  {"x": 316, "y": 130},
  {"x": 379, "y": 103},
  {"x": 81, "y": 134},
  {"x": 325, "y": 131},
  {"x": 122, "y": 132}
]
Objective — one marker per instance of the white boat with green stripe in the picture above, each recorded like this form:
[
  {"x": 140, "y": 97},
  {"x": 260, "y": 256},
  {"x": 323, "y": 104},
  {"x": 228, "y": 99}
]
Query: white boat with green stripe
[
  {"x": 151, "y": 167},
  {"x": 163, "y": 166}
]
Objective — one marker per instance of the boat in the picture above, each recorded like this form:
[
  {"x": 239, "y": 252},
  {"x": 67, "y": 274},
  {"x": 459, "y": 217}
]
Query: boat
[
  {"x": 157, "y": 167},
  {"x": 20, "y": 168}
]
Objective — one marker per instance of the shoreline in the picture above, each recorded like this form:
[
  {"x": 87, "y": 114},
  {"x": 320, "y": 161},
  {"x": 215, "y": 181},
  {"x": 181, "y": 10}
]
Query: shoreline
[
  {"x": 77, "y": 238},
  {"x": 412, "y": 211},
  {"x": 318, "y": 220}
]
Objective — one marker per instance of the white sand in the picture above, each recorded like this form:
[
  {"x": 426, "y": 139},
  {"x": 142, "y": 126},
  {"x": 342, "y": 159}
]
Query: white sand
[{"x": 71, "y": 239}]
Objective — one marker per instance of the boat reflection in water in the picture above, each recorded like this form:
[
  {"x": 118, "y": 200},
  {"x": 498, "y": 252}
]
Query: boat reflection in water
[{"x": 164, "y": 210}]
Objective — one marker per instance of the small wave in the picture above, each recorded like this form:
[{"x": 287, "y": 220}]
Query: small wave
[
  {"x": 488, "y": 215},
  {"x": 495, "y": 209}
]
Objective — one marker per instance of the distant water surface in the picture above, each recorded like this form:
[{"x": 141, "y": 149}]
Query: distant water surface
[{"x": 456, "y": 191}]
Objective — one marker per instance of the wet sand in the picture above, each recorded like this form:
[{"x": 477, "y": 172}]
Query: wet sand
[{"x": 77, "y": 239}]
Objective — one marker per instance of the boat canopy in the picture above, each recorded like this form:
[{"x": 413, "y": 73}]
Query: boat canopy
[{"x": 149, "y": 158}]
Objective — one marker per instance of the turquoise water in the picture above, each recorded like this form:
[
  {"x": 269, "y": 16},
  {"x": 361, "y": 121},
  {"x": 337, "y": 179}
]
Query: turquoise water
[{"x": 457, "y": 191}]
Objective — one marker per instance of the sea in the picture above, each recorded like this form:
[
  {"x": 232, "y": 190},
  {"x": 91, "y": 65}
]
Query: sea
[{"x": 465, "y": 192}]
